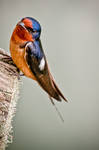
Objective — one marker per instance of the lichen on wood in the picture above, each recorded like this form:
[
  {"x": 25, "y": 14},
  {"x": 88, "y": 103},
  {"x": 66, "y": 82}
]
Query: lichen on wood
[{"x": 9, "y": 83}]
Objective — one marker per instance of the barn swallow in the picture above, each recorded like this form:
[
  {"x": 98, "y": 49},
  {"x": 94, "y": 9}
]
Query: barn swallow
[{"x": 28, "y": 55}]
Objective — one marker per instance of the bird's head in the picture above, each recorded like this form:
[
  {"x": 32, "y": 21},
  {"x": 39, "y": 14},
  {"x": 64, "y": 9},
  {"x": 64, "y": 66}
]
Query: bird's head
[{"x": 28, "y": 29}]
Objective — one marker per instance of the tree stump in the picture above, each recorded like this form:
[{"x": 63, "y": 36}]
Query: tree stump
[{"x": 9, "y": 83}]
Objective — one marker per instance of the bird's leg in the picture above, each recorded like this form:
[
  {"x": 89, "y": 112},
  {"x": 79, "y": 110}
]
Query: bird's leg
[{"x": 22, "y": 74}]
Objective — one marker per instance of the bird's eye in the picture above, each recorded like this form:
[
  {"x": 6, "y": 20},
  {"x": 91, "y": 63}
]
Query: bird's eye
[
  {"x": 31, "y": 30},
  {"x": 34, "y": 31}
]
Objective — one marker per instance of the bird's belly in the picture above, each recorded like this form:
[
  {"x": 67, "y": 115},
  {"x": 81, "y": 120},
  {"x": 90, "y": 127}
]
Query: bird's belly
[{"x": 18, "y": 56}]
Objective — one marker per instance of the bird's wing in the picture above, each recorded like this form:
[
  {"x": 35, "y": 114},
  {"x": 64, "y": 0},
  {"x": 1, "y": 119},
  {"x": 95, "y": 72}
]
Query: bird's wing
[{"x": 37, "y": 63}]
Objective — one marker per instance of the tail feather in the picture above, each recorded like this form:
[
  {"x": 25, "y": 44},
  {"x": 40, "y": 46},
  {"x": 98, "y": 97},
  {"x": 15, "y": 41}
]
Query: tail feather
[
  {"x": 60, "y": 95},
  {"x": 58, "y": 91},
  {"x": 58, "y": 112}
]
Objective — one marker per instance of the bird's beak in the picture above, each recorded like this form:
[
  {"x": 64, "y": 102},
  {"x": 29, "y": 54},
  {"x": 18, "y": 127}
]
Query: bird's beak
[{"x": 21, "y": 24}]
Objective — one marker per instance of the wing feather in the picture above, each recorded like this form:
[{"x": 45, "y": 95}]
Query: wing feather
[{"x": 43, "y": 77}]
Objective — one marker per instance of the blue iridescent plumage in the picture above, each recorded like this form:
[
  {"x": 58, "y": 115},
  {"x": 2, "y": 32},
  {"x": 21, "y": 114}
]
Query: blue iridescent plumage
[
  {"x": 36, "y": 50},
  {"x": 36, "y": 28}
]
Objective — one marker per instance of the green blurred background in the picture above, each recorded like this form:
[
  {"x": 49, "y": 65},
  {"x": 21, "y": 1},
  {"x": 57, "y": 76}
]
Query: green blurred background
[{"x": 70, "y": 39}]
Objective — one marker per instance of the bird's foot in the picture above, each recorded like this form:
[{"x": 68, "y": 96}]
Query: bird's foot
[{"x": 22, "y": 74}]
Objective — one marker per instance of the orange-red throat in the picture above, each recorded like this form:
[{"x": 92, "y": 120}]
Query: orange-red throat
[{"x": 20, "y": 35}]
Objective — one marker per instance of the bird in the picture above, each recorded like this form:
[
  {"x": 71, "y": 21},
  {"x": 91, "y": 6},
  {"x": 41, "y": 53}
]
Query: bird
[{"x": 28, "y": 55}]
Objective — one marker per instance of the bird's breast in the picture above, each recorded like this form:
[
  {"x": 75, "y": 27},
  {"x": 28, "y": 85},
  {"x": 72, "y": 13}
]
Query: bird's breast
[{"x": 18, "y": 56}]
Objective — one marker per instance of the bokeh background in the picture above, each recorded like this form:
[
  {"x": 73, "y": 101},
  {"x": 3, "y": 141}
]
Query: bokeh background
[{"x": 70, "y": 39}]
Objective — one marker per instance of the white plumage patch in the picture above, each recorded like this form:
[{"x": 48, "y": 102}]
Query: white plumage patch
[{"x": 42, "y": 64}]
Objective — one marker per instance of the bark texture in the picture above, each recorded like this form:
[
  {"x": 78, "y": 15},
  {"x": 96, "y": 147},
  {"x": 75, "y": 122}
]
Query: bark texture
[{"x": 9, "y": 83}]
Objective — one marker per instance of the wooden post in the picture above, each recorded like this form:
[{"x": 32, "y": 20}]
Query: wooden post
[{"x": 9, "y": 83}]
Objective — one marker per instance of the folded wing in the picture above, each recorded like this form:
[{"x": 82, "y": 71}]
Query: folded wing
[{"x": 37, "y": 63}]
